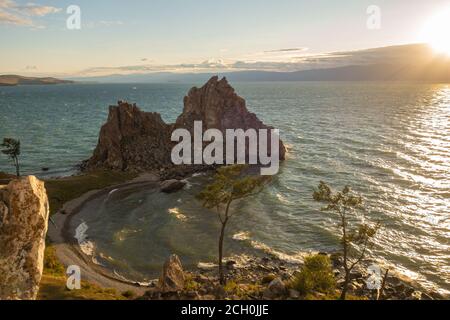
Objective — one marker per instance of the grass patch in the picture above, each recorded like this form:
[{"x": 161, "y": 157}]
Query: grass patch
[
  {"x": 242, "y": 290},
  {"x": 62, "y": 190},
  {"x": 52, "y": 266},
  {"x": 53, "y": 287},
  {"x": 53, "y": 283},
  {"x": 330, "y": 296},
  {"x": 315, "y": 276}
]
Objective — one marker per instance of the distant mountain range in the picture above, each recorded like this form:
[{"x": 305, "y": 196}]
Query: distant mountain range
[
  {"x": 15, "y": 80},
  {"x": 376, "y": 72},
  {"x": 413, "y": 62}
]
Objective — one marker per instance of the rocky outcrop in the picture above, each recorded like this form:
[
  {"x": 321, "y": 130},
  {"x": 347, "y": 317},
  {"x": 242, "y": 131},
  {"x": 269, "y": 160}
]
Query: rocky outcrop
[
  {"x": 172, "y": 278},
  {"x": 24, "y": 212},
  {"x": 171, "y": 186},
  {"x": 133, "y": 140},
  {"x": 218, "y": 106}
]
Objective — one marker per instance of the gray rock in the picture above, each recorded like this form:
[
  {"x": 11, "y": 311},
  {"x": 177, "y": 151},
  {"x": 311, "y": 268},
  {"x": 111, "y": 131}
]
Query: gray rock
[
  {"x": 275, "y": 289},
  {"x": 219, "y": 292},
  {"x": 294, "y": 294},
  {"x": 171, "y": 186}
]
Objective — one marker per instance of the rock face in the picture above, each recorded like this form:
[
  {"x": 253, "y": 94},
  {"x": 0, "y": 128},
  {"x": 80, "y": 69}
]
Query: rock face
[
  {"x": 24, "y": 212},
  {"x": 218, "y": 106},
  {"x": 133, "y": 140},
  {"x": 172, "y": 278}
]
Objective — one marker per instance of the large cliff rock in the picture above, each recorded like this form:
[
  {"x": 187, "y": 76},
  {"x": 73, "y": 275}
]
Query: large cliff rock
[
  {"x": 135, "y": 140},
  {"x": 24, "y": 212},
  {"x": 132, "y": 140}
]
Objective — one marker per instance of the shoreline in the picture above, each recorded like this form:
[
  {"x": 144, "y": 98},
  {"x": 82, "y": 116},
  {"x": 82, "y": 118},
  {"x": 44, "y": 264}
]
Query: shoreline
[
  {"x": 68, "y": 251},
  {"x": 61, "y": 233}
]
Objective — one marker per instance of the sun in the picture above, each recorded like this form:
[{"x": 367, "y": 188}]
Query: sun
[{"x": 437, "y": 32}]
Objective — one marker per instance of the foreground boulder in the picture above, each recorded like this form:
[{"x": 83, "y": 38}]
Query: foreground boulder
[
  {"x": 24, "y": 212},
  {"x": 172, "y": 278},
  {"x": 133, "y": 140},
  {"x": 275, "y": 289},
  {"x": 171, "y": 186}
]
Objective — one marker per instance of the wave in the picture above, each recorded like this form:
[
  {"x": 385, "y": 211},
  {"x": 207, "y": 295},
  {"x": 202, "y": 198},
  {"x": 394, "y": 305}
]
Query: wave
[{"x": 297, "y": 258}]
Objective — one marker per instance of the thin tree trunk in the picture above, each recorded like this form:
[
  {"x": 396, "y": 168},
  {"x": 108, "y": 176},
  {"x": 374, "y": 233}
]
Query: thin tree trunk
[
  {"x": 383, "y": 285},
  {"x": 347, "y": 271},
  {"x": 16, "y": 160},
  {"x": 345, "y": 288},
  {"x": 222, "y": 235}
]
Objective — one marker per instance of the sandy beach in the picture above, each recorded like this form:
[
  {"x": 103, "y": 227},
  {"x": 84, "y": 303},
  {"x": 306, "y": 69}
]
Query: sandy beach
[{"x": 62, "y": 232}]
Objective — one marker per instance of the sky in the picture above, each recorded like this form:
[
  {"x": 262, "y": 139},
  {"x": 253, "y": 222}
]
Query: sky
[{"x": 196, "y": 35}]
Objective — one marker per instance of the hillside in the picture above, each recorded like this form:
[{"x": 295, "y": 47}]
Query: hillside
[{"x": 15, "y": 80}]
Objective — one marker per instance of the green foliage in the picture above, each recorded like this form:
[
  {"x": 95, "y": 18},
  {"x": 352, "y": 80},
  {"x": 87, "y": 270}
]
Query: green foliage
[
  {"x": 230, "y": 183},
  {"x": 343, "y": 203},
  {"x": 12, "y": 147},
  {"x": 51, "y": 263},
  {"x": 53, "y": 287},
  {"x": 315, "y": 276},
  {"x": 242, "y": 290},
  {"x": 190, "y": 284},
  {"x": 12, "y": 150}
]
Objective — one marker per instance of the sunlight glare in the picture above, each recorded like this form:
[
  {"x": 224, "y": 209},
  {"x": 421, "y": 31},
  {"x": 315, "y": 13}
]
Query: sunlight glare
[{"x": 437, "y": 32}]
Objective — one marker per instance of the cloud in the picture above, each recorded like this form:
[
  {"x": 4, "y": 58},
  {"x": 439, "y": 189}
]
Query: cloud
[
  {"x": 36, "y": 10},
  {"x": 20, "y": 15},
  {"x": 12, "y": 19},
  {"x": 6, "y": 3},
  {"x": 287, "y": 50}
]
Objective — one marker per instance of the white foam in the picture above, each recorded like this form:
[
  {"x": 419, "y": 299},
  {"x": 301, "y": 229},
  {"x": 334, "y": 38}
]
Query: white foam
[
  {"x": 292, "y": 258},
  {"x": 241, "y": 236},
  {"x": 86, "y": 246},
  {"x": 176, "y": 212}
]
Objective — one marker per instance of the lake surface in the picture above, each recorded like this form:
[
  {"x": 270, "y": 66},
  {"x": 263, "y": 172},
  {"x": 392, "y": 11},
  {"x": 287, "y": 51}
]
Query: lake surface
[{"x": 389, "y": 141}]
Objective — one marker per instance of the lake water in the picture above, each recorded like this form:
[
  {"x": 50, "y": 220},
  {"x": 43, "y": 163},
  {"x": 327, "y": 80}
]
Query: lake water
[{"x": 389, "y": 141}]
